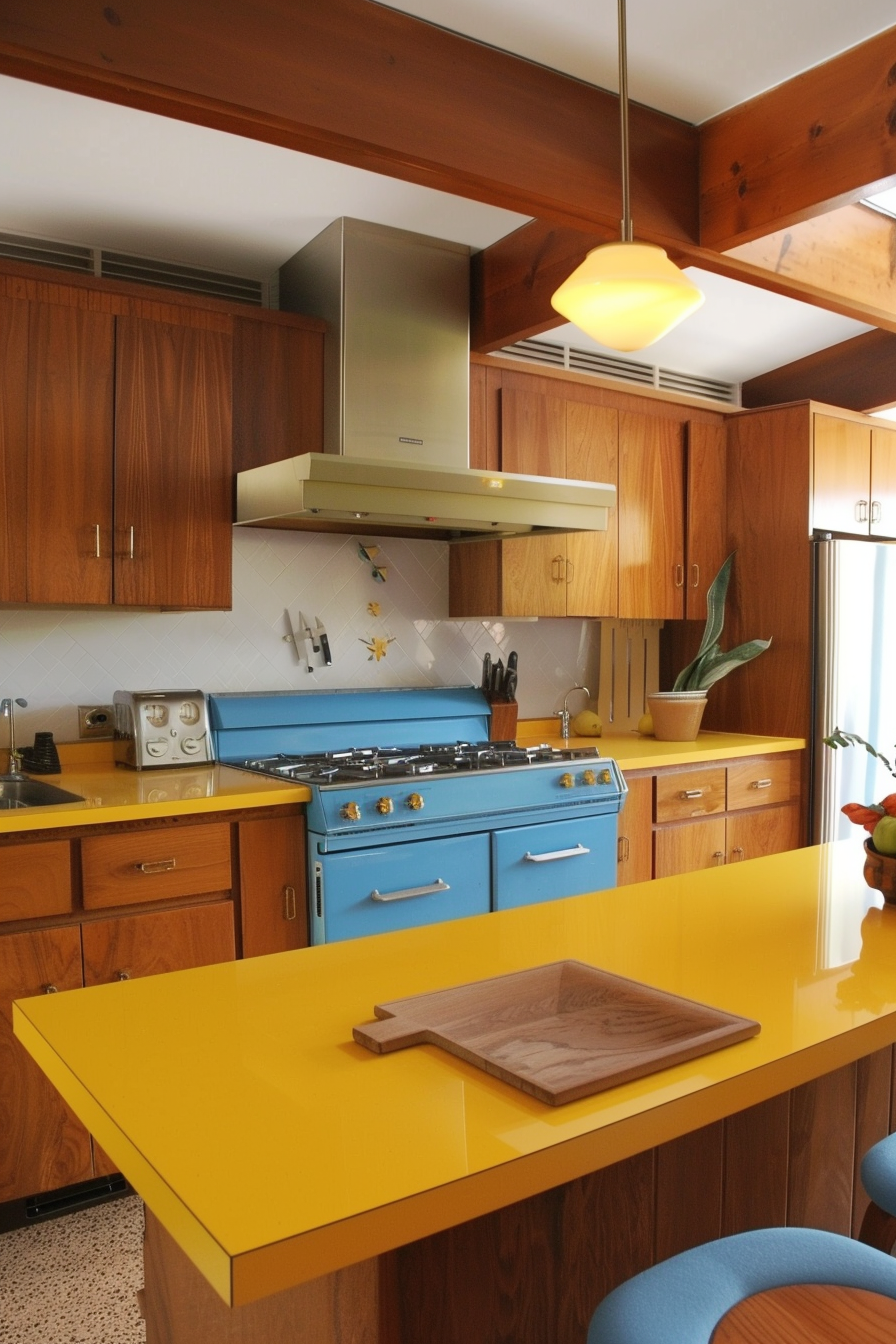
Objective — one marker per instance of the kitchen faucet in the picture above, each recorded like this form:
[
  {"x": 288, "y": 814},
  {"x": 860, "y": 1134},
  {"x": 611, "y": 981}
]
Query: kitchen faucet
[
  {"x": 8, "y": 706},
  {"x": 563, "y": 714}
]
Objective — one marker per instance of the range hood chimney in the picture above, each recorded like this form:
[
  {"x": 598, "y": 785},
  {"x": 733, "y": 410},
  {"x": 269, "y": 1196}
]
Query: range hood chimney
[{"x": 396, "y": 404}]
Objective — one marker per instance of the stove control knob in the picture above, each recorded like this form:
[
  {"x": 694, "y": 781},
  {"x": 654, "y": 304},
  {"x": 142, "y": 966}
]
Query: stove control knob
[
  {"x": 384, "y": 806},
  {"x": 606, "y": 777},
  {"x": 351, "y": 812},
  {"x": 589, "y": 777},
  {"x": 566, "y": 781},
  {"x": 415, "y": 802}
]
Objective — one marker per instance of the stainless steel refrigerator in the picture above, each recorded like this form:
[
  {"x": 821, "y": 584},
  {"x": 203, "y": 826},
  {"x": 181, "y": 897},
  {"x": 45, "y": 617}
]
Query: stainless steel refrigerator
[{"x": 855, "y": 677}]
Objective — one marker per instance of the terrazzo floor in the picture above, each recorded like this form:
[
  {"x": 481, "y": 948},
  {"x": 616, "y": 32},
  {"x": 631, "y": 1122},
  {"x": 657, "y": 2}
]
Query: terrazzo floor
[{"x": 74, "y": 1280}]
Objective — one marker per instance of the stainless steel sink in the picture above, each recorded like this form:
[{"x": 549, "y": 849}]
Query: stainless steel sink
[{"x": 17, "y": 792}]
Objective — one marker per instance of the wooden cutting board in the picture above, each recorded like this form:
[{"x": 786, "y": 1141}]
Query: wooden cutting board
[{"x": 559, "y": 1032}]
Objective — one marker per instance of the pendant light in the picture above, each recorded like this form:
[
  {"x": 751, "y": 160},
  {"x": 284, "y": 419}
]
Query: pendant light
[{"x": 626, "y": 295}]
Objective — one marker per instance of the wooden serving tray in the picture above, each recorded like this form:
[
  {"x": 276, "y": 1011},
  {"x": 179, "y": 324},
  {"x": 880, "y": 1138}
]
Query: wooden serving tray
[{"x": 559, "y": 1032}]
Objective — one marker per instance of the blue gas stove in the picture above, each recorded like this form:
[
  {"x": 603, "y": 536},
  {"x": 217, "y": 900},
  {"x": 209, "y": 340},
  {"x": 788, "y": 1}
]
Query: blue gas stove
[{"x": 415, "y": 815}]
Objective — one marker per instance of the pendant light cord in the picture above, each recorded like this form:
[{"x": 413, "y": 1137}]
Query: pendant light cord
[{"x": 627, "y": 233}]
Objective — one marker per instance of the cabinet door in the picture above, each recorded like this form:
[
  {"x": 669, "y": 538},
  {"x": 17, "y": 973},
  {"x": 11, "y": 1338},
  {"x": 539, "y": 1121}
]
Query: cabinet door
[
  {"x": 634, "y": 848},
  {"x": 13, "y": 438},
  {"x": 883, "y": 483},
  {"x": 651, "y": 518},
  {"x": 841, "y": 494},
  {"x": 273, "y": 888},
  {"x": 592, "y": 559},
  {"x": 771, "y": 830},
  {"x": 35, "y": 880},
  {"x": 684, "y": 849},
  {"x": 533, "y": 576},
  {"x": 705, "y": 514},
  {"x": 154, "y": 942},
  {"x": 42, "y": 1145},
  {"x": 533, "y": 433},
  {"x": 278, "y": 392},
  {"x": 69, "y": 495},
  {"x": 172, "y": 466}
]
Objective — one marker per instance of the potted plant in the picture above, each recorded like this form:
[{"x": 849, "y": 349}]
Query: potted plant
[
  {"x": 677, "y": 713},
  {"x": 878, "y": 819}
]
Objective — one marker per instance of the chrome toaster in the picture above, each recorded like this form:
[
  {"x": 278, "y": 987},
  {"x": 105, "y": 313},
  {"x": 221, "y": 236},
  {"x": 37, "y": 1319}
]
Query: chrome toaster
[{"x": 162, "y": 728}]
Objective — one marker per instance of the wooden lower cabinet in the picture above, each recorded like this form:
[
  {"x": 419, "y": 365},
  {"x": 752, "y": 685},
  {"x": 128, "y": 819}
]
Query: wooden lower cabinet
[
  {"x": 634, "y": 846},
  {"x": 687, "y": 847},
  {"x": 155, "y": 942},
  {"x": 42, "y": 1146},
  {"x": 273, "y": 904}
]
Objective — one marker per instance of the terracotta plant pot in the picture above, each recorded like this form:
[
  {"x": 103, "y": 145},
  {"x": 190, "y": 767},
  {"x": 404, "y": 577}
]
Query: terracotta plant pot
[
  {"x": 676, "y": 714},
  {"x": 880, "y": 872}
]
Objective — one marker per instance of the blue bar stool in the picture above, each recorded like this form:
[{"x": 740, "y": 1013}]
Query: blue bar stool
[
  {"x": 879, "y": 1180},
  {"x": 682, "y": 1300}
]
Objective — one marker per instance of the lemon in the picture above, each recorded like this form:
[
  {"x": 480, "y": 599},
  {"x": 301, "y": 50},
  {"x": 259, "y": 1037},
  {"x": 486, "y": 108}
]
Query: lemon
[
  {"x": 587, "y": 724},
  {"x": 645, "y": 725}
]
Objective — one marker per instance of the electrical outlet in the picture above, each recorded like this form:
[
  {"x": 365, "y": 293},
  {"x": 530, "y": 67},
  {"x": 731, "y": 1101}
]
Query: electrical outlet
[{"x": 96, "y": 720}]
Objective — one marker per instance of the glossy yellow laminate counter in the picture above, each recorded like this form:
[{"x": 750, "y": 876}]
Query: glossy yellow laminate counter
[
  {"x": 113, "y": 793},
  {"x": 275, "y": 1150},
  {"x": 633, "y": 752}
]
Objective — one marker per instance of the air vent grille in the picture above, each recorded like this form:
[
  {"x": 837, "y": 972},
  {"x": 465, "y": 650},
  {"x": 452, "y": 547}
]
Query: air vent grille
[
  {"x": 63, "y": 255},
  {"x": 140, "y": 270},
  {"x": 625, "y": 370}
]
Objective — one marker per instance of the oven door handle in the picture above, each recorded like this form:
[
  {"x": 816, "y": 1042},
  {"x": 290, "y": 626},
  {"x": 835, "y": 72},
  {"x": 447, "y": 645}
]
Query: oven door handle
[
  {"x": 556, "y": 854},
  {"x": 408, "y": 893}
]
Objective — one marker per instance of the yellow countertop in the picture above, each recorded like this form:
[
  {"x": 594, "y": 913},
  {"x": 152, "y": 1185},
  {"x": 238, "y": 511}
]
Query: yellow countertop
[
  {"x": 634, "y": 752},
  {"x": 274, "y": 1149},
  {"x": 113, "y": 793}
]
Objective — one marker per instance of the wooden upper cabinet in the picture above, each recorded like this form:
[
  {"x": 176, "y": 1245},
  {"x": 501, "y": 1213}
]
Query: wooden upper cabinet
[
  {"x": 651, "y": 517},
  {"x": 705, "y": 515},
  {"x": 13, "y": 436},
  {"x": 172, "y": 465},
  {"x": 278, "y": 376},
  {"x": 842, "y": 475},
  {"x": 882, "y": 517},
  {"x": 69, "y": 455},
  {"x": 592, "y": 454},
  {"x": 533, "y": 433}
]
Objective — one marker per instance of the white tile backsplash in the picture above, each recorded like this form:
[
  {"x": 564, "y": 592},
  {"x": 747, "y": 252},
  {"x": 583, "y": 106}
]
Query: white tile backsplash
[{"x": 60, "y": 658}]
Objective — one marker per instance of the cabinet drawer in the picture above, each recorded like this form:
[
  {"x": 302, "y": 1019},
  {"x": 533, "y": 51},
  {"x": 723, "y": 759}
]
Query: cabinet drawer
[
  {"x": 156, "y": 942},
  {"x": 763, "y": 780},
  {"x": 690, "y": 793},
  {"x": 155, "y": 865},
  {"x": 35, "y": 880},
  {"x": 561, "y": 858}
]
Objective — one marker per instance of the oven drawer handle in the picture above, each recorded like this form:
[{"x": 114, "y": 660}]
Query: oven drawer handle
[
  {"x": 556, "y": 854},
  {"x": 407, "y": 893}
]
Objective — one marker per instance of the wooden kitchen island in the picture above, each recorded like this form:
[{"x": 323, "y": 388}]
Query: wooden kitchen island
[{"x": 326, "y": 1193}]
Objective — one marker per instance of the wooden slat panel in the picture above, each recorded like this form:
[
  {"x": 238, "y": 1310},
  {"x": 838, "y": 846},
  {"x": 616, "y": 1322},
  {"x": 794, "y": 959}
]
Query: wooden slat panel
[
  {"x": 42, "y": 1145},
  {"x": 706, "y": 502},
  {"x": 272, "y": 859},
  {"x": 651, "y": 518},
  {"x": 873, "y": 1080},
  {"x": 820, "y": 1172},
  {"x": 689, "y": 1191},
  {"x": 756, "y": 1157},
  {"x": 35, "y": 880},
  {"x": 883, "y": 482},
  {"x": 277, "y": 392},
  {"x": 199, "y": 859},
  {"x": 592, "y": 443},
  {"x": 13, "y": 448},
  {"x": 70, "y": 456},
  {"x": 842, "y": 467},
  {"x": 172, "y": 466}
]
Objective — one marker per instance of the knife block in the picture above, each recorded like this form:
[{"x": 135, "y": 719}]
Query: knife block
[{"x": 503, "y": 721}]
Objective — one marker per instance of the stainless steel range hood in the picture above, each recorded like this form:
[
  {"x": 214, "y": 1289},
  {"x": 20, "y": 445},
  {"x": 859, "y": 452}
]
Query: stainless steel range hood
[{"x": 396, "y": 404}]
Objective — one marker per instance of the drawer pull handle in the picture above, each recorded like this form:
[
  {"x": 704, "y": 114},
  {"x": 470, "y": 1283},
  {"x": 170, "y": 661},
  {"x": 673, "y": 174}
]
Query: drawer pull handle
[
  {"x": 156, "y": 866},
  {"x": 719, "y": 856},
  {"x": 691, "y": 793},
  {"x": 875, "y": 510},
  {"x": 556, "y": 854},
  {"x": 289, "y": 902},
  {"x": 50, "y": 989},
  {"x": 122, "y": 975},
  {"x": 407, "y": 894},
  {"x": 623, "y": 849},
  {"x": 760, "y": 783},
  {"x": 737, "y": 854}
]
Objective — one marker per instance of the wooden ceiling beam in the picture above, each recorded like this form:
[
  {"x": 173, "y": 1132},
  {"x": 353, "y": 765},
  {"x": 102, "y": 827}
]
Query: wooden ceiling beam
[
  {"x": 357, "y": 82},
  {"x": 819, "y": 141},
  {"x": 859, "y": 374}
]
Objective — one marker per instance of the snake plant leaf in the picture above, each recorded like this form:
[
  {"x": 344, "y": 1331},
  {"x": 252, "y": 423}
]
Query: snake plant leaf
[
  {"x": 715, "y": 664},
  {"x": 715, "y": 621},
  {"x": 839, "y": 738}
]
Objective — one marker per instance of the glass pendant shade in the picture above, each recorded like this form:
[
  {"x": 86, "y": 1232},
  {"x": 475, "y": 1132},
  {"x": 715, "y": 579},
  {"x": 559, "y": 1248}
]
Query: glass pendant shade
[{"x": 626, "y": 295}]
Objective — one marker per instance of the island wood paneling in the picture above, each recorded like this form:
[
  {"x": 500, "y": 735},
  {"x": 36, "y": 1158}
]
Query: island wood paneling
[
  {"x": 755, "y": 1162},
  {"x": 689, "y": 1191},
  {"x": 820, "y": 1170},
  {"x": 873, "y": 1077}
]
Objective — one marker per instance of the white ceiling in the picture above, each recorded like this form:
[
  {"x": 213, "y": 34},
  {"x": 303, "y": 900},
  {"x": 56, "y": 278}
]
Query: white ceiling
[{"x": 87, "y": 172}]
